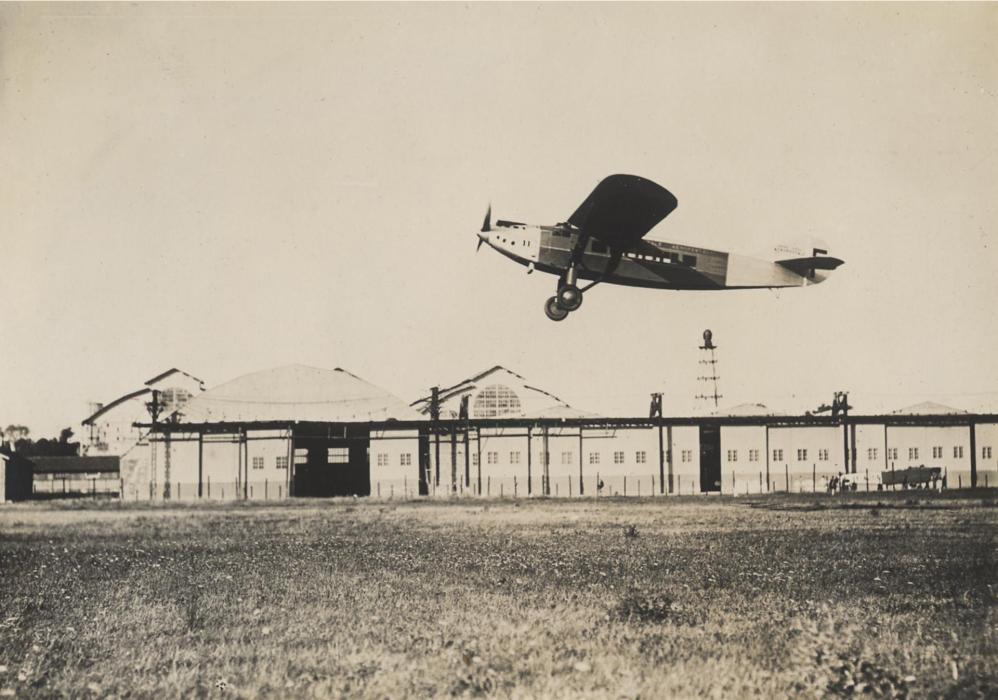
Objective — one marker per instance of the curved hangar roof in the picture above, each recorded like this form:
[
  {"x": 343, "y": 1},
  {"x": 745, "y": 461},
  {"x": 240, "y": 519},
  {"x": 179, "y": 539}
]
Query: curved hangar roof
[{"x": 296, "y": 392}]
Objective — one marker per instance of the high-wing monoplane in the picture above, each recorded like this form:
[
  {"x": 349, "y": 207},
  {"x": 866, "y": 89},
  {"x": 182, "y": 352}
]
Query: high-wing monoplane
[{"x": 604, "y": 241}]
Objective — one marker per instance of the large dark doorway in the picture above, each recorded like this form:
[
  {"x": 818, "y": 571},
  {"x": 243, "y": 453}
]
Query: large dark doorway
[
  {"x": 710, "y": 458},
  {"x": 332, "y": 463}
]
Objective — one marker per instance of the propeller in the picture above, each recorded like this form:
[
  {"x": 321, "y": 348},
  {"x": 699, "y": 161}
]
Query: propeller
[{"x": 486, "y": 227}]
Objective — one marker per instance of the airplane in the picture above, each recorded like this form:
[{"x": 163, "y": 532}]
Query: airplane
[{"x": 603, "y": 242}]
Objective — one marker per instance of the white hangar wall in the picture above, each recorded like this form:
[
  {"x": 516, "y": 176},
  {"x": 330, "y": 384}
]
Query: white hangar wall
[
  {"x": 503, "y": 461},
  {"x": 259, "y": 464},
  {"x": 394, "y": 463},
  {"x": 986, "y": 439}
]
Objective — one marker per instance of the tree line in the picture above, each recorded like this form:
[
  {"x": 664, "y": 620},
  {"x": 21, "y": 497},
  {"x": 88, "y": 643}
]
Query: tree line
[{"x": 18, "y": 437}]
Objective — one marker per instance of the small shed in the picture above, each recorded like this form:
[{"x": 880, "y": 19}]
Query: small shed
[{"x": 59, "y": 477}]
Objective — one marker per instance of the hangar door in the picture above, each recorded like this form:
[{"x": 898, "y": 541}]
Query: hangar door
[
  {"x": 710, "y": 458},
  {"x": 335, "y": 463}
]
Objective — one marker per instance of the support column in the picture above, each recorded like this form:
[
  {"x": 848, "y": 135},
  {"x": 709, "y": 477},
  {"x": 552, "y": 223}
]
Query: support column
[
  {"x": 661, "y": 461},
  {"x": 973, "y": 456},
  {"x": 467, "y": 458},
  {"x": 852, "y": 440},
  {"x": 670, "y": 458},
  {"x": 582, "y": 480},
  {"x": 478, "y": 448},
  {"x": 166, "y": 466},
  {"x": 436, "y": 456},
  {"x": 546, "y": 464},
  {"x": 200, "y": 464},
  {"x": 530, "y": 430},
  {"x": 290, "y": 474},
  {"x": 767, "y": 458},
  {"x": 453, "y": 458},
  {"x": 845, "y": 446}
]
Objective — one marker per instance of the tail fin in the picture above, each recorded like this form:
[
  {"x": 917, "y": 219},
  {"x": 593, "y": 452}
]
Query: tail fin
[{"x": 807, "y": 266}]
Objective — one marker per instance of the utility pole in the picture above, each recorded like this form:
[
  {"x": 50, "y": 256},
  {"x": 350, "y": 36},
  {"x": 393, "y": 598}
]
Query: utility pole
[
  {"x": 155, "y": 408},
  {"x": 710, "y": 377}
]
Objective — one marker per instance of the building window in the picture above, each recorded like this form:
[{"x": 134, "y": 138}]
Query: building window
[
  {"x": 777, "y": 455},
  {"x": 958, "y": 452},
  {"x": 514, "y": 457},
  {"x": 732, "y": 455},
  {"x": 801, "y": 454},
  {"x": 823, "y": 455},
  {"x": 282, "y": 463},
  {"x": 618, "y": 457},
  {"x": 496, "y": 401},
  {"x": 405, "y": 459},
  {"x": 258, "y": 462},
  {"x": 892, "y": 453},
  {"x": 640, "y": 457},
  {"x": 753, "y": 455},
  {"x": 986, "y": 452},
  {"x": 912, "y": 453},
  {"x": 382, "y": 459},
  {"x": 492, "y": 457},
  {"x": 871, "y": 453},
  {"x": 687, "y": 455},
  {"x": 474, "y": 459},
  {"x": 173, "y": 398},
  {"x": 594, "y": 457},
  {"x": 937, "y": 452},
  {"x": 566, "y": 457},
  {"x": 337, "y": 455},
  {"x": 301, "y": 455}
]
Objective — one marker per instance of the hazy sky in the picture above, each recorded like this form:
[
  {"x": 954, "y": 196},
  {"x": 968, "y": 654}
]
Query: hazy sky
[{"x": 226, "y": 188}]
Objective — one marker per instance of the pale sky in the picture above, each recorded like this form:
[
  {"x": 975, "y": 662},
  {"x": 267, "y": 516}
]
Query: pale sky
[{"x": 227, "y": 188}]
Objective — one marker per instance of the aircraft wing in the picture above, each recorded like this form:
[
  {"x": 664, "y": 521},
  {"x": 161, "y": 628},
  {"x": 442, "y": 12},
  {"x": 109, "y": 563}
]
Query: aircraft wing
[
  {"x": 623, "y": 208},
  {"x": 806, "y": 266}
]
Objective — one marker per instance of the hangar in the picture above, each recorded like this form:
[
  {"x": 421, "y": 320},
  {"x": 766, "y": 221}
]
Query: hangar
[
  {"x": 304, "y": 431},
  {"x": 289, "y": 431}
]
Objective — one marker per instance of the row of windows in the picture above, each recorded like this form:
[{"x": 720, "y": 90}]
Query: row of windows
[
  {"x": 601, "y": 248},
  {"x": 619, "y": 457},
  {"x": 872, "y": 453},
  {"x": 341, "y": 455},
  {"x": 753, "y": 455},
  {"x": 280, "y": 462},
  {"x": 688, "y": 260}
]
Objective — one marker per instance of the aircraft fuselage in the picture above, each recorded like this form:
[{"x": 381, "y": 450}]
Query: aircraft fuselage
[{"x": 646, "y": 263}]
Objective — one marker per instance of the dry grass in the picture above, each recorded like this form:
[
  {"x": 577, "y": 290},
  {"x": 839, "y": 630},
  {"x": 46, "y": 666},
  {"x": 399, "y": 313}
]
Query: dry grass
[{"x": 772, "y": 596}]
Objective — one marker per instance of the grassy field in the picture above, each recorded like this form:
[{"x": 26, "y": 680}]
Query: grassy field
[{"x": 777, "y": 596}]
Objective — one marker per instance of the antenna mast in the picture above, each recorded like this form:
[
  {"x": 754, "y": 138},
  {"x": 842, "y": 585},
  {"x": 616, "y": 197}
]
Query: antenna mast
[{"x": 709, "y": 378}]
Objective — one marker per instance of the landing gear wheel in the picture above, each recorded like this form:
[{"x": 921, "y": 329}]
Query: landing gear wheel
[
  {"x": 569, "y": 297},
  {"x": 553, "y": 311}
]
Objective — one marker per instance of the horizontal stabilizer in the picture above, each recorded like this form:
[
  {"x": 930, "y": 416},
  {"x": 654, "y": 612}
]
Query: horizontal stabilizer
[{"x": 805, "y": 267}]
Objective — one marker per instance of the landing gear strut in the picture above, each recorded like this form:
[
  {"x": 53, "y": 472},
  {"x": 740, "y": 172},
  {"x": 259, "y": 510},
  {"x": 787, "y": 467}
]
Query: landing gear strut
[{"x": 568, "y": 298}]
